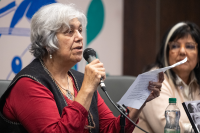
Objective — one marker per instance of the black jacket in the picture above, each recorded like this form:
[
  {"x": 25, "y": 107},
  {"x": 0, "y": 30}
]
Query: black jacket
[{"x": 36, "y": 71}]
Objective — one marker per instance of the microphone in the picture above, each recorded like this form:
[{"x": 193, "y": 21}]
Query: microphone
[{"x": 89, "y": 55}]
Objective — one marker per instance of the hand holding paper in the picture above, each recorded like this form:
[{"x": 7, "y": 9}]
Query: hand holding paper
[{"x": 138, "y": 92}]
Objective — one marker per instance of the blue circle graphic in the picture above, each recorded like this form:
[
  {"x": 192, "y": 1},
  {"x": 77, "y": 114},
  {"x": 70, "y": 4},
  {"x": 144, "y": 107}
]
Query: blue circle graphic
[{"x": 16, "y": 64}]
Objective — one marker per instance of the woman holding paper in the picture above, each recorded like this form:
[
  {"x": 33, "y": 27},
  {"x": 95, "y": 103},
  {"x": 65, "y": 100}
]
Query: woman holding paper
[{"x": 181, "y": 82}]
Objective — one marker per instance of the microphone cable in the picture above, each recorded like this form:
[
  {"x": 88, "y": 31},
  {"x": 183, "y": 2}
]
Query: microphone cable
[{"x": 103, "y": 87}]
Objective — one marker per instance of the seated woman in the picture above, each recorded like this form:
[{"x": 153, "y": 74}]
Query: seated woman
[
  {"x": 49, "y": 97},
  {"x": 181, "y": 82}
]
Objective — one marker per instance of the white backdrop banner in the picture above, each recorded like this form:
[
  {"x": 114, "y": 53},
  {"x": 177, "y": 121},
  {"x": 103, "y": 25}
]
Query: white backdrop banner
[{"x": 103, "y": 33}]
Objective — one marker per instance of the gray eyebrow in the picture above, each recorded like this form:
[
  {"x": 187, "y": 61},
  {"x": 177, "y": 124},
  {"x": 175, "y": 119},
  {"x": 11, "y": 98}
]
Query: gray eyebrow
[{"x": 72, "y": 26}]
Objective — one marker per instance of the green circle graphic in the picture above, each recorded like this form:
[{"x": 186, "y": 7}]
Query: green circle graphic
[{"x": 95, "y": 16}]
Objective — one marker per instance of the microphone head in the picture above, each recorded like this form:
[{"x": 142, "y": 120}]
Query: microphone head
[{"x": 89, "y": 52}]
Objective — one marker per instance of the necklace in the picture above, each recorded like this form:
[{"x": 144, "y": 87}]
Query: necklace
[
  {"x": 68, "y": 93},
  {"x": 69, "y": 96}
]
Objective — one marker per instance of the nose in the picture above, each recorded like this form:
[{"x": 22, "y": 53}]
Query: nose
[
  {"x": 182, "y": 50},
  {"x": 78, "y": 36}
]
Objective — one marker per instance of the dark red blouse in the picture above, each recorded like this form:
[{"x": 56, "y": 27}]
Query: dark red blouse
[{"x": 33, "y": 105}]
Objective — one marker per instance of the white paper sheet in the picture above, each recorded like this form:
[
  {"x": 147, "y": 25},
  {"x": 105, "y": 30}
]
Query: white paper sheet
[{"x": 138, "y": 92}]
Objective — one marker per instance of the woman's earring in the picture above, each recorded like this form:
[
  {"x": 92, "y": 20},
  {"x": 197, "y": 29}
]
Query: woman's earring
[{"x": 50, "y": 56}]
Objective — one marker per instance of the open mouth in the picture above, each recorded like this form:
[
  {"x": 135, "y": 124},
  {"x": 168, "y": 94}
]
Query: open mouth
[{"x": 79, "y": 47}]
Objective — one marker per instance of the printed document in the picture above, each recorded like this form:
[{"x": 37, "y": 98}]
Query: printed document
[{"x": 138, "y": 92}]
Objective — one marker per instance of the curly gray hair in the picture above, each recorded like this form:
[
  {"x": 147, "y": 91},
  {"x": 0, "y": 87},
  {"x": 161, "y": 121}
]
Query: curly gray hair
[{"x": 46, "y": 22}]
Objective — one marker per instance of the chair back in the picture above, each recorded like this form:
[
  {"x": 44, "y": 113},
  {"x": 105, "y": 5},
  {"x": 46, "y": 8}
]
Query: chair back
[
  {"x": 116, "y": 87},
  {"x": 3, "y": 86}
]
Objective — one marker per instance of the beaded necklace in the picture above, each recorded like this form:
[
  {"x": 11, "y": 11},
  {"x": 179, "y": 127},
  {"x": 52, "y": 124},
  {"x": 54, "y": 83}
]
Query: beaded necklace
[{"x": 68, "y": 93}]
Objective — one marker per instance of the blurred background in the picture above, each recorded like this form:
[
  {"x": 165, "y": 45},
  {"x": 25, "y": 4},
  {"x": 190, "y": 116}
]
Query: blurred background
[
  {"x": 126, "y": 34},
  {"x": 145, "y": 23}
]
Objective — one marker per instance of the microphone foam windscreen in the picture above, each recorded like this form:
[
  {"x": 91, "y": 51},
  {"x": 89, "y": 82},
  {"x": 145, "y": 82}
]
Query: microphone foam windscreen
[{"x": 88, "y": 52}]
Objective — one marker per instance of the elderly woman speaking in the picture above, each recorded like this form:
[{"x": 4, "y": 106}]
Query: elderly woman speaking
[{"x": 47, "y": 96}]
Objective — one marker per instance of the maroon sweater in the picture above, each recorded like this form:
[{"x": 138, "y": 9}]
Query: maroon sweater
[{"x": 33, "y": 105}]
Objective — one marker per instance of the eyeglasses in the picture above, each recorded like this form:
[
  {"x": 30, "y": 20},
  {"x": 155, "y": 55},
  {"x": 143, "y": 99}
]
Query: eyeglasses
[{"x": 189, "y": 46}]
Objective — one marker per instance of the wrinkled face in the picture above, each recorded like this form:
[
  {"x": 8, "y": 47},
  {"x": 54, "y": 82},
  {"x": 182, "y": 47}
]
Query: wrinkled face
[
  {"x": 70, "y": 42},
  {"x": 183, "y": 47}
]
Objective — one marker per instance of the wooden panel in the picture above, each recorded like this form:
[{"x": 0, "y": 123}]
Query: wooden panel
[
  {"x": 139, "y": 35},
  {"x": 174, "y": 11}
]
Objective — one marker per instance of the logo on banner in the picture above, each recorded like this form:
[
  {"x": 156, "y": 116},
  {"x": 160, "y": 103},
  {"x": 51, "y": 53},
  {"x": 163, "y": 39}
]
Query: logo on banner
[
  {"x": 26, "y": 8},
  {"x": 95, "y": 17}
]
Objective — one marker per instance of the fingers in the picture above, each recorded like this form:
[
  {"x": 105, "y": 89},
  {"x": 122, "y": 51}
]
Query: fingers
[
  {"x": 155, "y": 88},
  {"x": 94, "y": 61},
  {"x": 97, "y": 64},
  {"x": 155, "y": 93},
  {"x": 102, "y": 75},
  {"x": 97, "y": 69},
  {"x": 156, "y": 84},
  {"x": 161, "y": 77}
]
